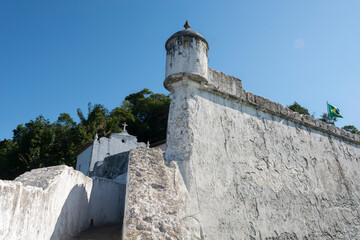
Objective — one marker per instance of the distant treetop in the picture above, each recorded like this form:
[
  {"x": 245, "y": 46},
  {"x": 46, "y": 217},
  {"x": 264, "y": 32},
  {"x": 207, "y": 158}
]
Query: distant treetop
[
  {"x": 298, "y": 108},
  {"x": 351, "y": 128}
]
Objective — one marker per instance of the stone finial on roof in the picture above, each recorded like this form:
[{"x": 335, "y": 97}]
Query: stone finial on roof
[{"x": 187, "y": 25}]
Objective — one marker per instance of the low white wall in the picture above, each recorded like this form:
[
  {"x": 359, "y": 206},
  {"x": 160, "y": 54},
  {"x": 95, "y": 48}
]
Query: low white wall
[{"x": 57, "y": 203}]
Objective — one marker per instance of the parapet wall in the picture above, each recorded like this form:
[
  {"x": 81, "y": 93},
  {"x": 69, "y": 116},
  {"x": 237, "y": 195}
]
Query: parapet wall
[
  {"x": 57, "y": 203},
  {"x": 254, "y": 169},
  {"x": 231, "y": 88}
]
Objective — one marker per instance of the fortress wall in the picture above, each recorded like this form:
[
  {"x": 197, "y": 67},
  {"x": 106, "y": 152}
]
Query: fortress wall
[
  {"x": 57, "y": 203},
  {"x": 255, "y": 170}
]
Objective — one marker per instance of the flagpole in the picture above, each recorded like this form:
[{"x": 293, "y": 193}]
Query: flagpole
[{"x": 327, "y": 107}]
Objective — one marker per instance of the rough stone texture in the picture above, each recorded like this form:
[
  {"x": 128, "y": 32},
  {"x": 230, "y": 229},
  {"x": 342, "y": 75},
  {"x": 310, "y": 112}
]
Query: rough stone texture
[
  {"x": 254, "y": 175},
  {"x": 151, "y": 198},
  {"x": 57, "y": 203}
]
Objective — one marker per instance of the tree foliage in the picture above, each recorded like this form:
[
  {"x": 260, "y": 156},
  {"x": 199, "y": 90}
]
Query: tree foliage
[
  {"x": 150, "y": 111},
  {"x": 351, "y": 128},
  {"x": 326, "y": 118},
  {"x": 40, "y": 143},
  {"x": 298, "y": 108}
]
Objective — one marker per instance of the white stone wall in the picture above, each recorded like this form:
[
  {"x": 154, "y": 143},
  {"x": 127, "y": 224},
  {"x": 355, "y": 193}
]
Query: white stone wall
[
  {"x": 57, "y": 203},
  {"x": 252, "y": 175},
  {"x": 83, "y": 160}
]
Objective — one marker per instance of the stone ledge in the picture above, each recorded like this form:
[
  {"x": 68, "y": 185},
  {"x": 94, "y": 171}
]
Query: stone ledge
[
  {"x": 42, "y": 177},
  {"x": 178, "y": 77},
  {"x": 268, "y": 106}
]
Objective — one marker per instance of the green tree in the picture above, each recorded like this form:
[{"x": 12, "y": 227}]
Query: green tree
[
  {"x": 145, "y": 112},
  {"x": 69, "y": 137},
  {"x": 40, "y": 143},
  {"x": 102, "y": 122},
  {"x": 10, "y": 164},
  {"x": 34, "y": 141},
  {"x": 326, "y": 118},
  {"x": 96, "y": 121},
  {"x": 351, "y": 128},
  {"x": 150, "y": 111},
  {"x": 118, "y": 116},
  {"x": 298, "y": 108}
]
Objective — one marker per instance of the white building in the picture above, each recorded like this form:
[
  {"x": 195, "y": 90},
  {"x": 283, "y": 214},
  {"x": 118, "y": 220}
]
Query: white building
[{"x": 103, "y": 147}]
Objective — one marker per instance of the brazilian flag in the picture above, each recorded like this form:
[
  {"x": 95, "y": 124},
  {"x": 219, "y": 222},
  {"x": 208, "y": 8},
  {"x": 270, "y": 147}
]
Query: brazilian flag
[{"x": 334, "y": 111}]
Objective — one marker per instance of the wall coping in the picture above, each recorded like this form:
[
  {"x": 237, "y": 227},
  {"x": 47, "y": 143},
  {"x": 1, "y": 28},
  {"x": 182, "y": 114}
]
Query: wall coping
[{"x": 273, "y": 108}]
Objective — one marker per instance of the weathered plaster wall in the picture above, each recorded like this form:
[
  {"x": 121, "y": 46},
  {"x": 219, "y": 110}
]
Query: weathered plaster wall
[
  {"x": 254, "y": 175},
  {"x": 57, "y": 203}
]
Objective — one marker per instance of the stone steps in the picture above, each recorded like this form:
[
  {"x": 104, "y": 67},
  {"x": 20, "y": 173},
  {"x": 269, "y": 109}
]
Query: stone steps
[{"x": 108, "y": 232}]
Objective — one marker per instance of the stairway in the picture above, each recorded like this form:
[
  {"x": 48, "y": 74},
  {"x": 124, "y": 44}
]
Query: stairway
[{"x": 108, "y": 232}]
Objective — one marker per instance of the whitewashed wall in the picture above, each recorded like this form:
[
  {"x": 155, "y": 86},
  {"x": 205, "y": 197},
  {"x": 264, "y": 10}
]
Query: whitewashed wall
[
  {"x": 83, "y": 160},
  {"x": 57, "y": 203},
  {"x": 252, "y": 175}
]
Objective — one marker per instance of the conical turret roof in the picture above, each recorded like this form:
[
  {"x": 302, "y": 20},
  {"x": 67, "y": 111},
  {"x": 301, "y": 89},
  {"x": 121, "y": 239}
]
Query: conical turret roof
[{"x": 187, "y": 32}]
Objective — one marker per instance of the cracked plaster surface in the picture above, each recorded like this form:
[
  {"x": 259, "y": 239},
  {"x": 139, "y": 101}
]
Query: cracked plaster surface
[{"x": 252, "y": 175}]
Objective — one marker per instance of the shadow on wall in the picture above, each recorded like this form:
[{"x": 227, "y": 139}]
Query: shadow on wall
[
  {"x": 79, "y": 213},
  {"x": 74, "y": 214}
]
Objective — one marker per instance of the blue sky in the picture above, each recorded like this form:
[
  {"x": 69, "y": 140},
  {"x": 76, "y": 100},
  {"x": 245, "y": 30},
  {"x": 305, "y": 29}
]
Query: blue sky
[{"x": 56, "y": 56}]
